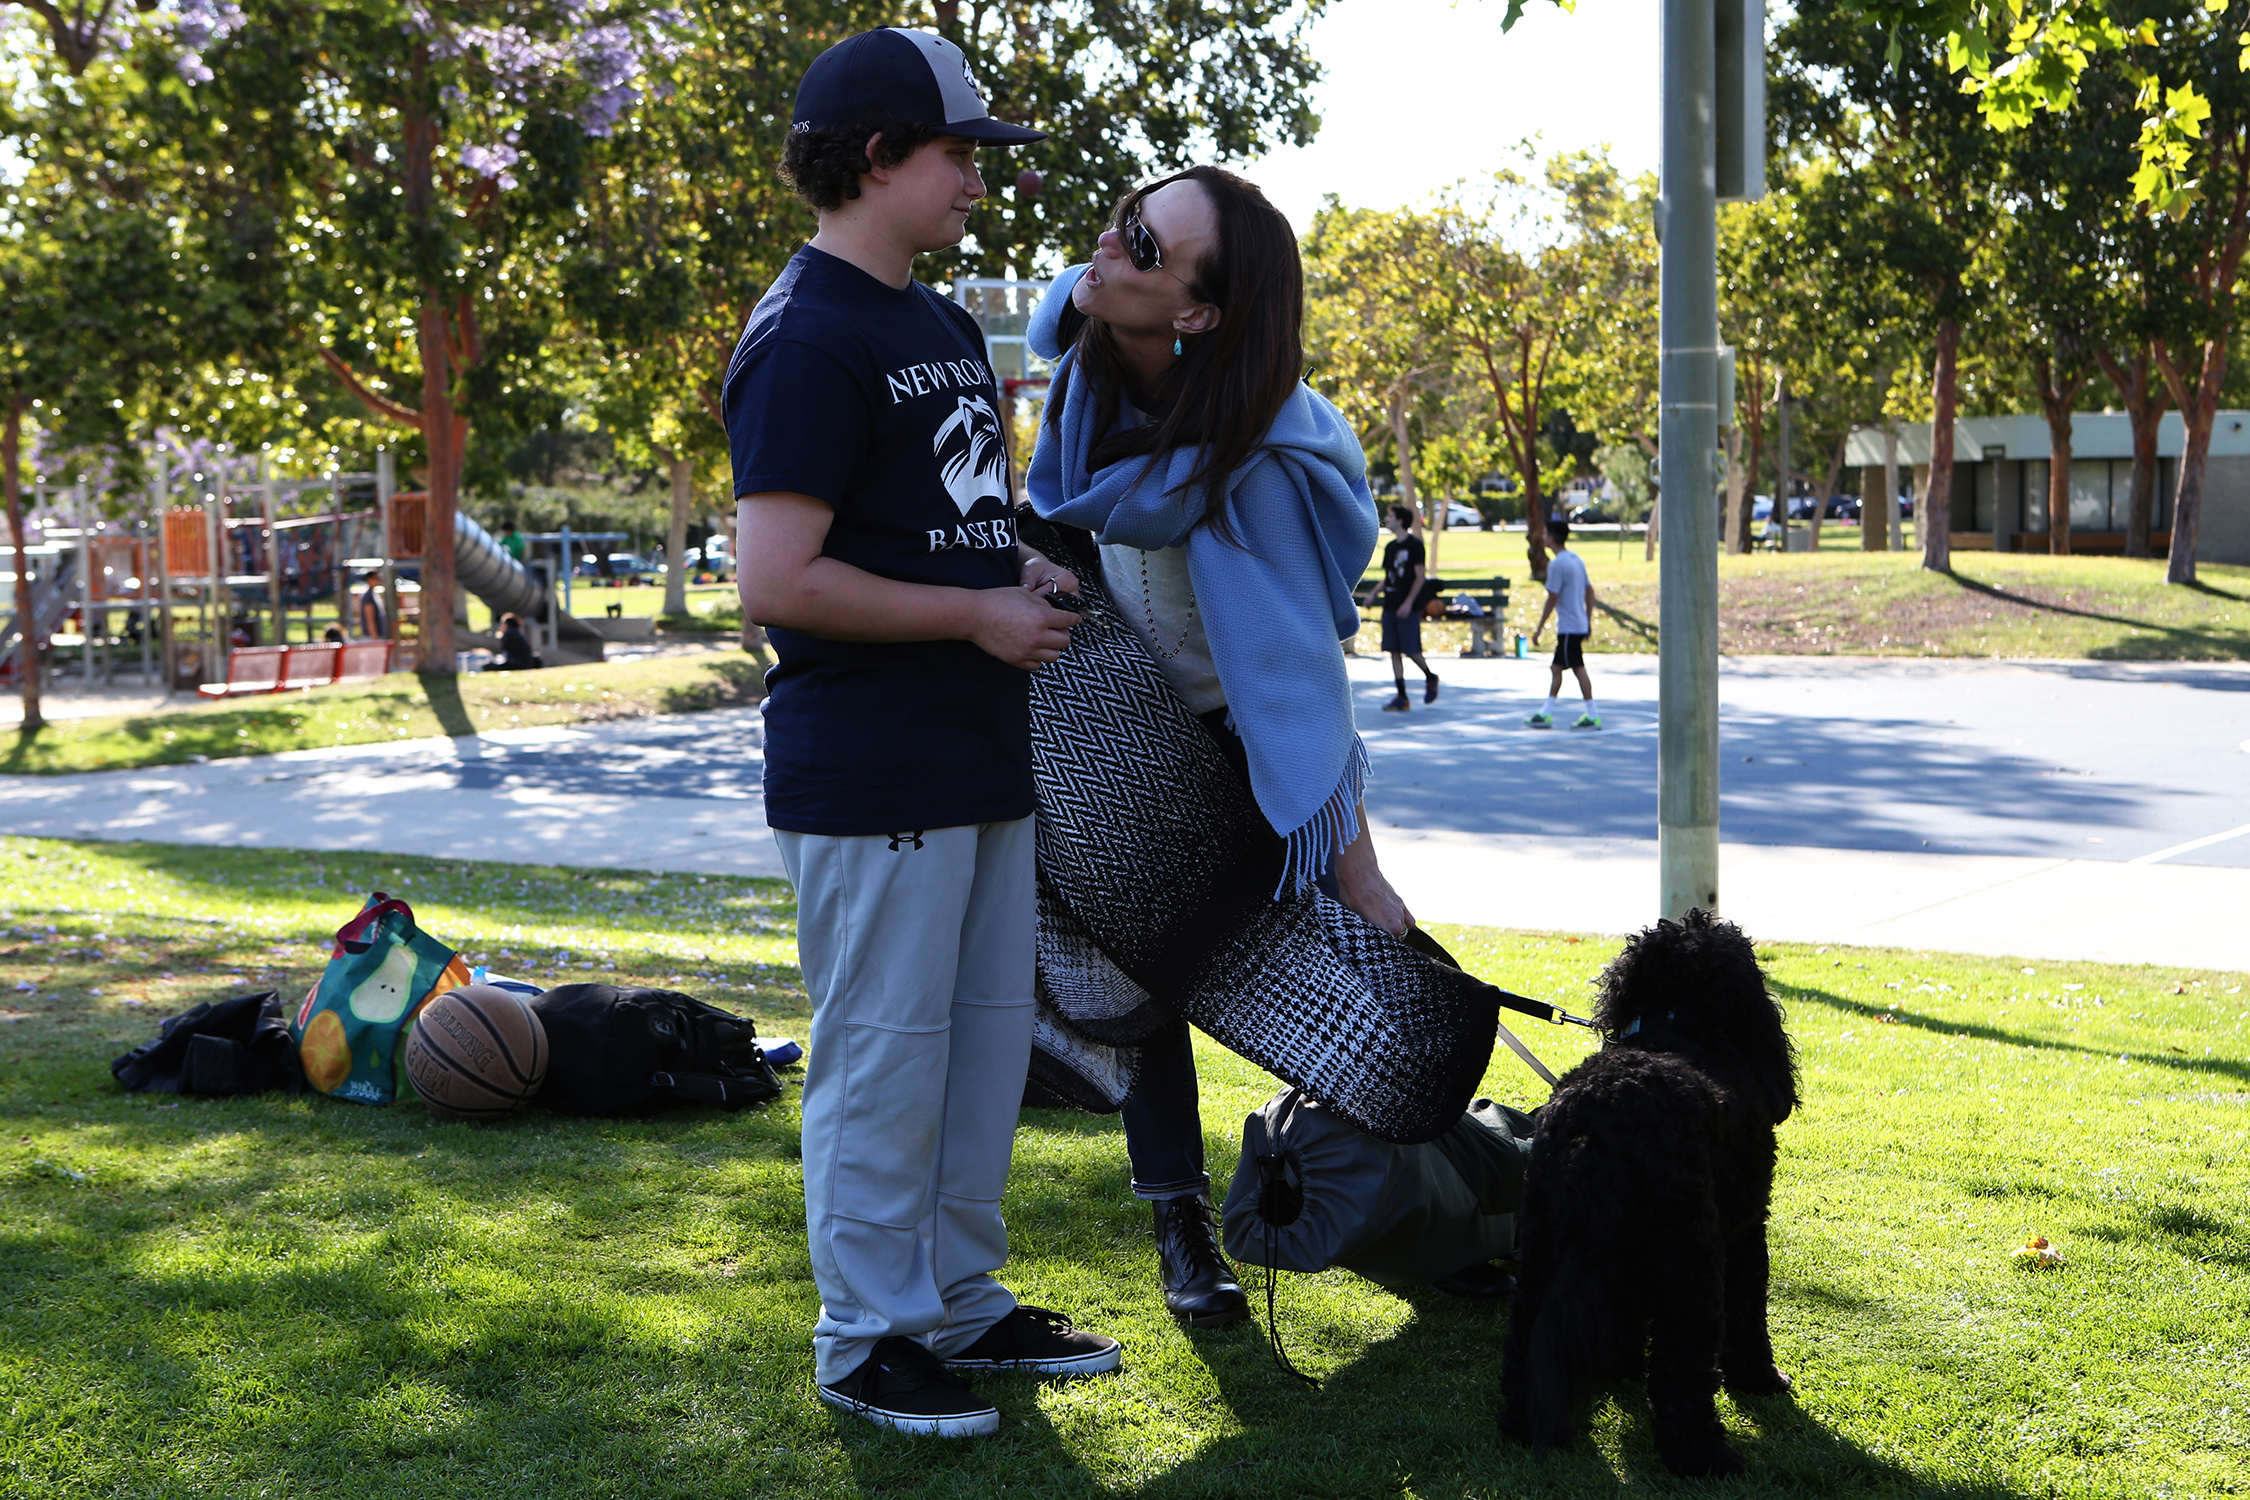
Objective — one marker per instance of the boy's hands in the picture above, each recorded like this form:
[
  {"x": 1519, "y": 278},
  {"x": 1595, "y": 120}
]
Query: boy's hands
[{"x": 1020, "y": 627}]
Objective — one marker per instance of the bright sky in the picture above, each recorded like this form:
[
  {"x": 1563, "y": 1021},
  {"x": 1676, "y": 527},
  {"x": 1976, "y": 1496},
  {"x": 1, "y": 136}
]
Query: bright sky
[{"x": 1422, "y": 93}]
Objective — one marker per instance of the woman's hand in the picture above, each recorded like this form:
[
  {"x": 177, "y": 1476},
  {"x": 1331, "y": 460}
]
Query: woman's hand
[
  {"x": 1043, "y": 575},
  {"x": 1365, "y": 889}
]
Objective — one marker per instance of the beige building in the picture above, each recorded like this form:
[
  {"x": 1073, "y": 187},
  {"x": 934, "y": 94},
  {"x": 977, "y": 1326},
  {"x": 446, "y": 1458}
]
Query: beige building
[{"x": 2000, "y": 468}]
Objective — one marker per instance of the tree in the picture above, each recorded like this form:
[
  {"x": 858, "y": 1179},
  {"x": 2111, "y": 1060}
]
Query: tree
[
  {"x": 1378, "y": 331},
  {"x": 436, "y": 141},
  {"x": 1914, "y": 143},
  {"x": 2205, "y": 243},
  {"x": 1529, "y": 273},
  {"x": 100, "y": 310}
]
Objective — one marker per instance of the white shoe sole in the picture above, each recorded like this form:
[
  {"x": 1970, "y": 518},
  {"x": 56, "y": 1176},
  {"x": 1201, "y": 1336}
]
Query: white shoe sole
[
  {"x": 920, "y": 1424},
  {"x": 1092, "y": 1362}
]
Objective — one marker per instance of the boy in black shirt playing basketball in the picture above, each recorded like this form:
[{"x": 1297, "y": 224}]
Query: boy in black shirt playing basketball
[{"x": 877, "y": 545}]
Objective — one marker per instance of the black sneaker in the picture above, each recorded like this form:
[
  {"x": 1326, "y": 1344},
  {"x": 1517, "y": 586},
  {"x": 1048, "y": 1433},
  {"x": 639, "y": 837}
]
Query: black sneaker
[
  {"x": 1038, "y": 1342},
  {"x": 1397, "y": 705},
  {"x": 906, "y": 1388},
  {"x": 1429, "y": 688}
]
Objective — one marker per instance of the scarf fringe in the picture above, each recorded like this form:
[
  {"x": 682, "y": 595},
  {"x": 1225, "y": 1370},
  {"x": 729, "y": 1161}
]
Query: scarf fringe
[{"x": 1312, "y": 847}]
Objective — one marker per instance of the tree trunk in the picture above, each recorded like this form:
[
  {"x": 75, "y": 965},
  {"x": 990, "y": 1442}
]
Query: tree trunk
[
  {"x": 2143, "y": 393},
  {"x": 2199, "y": 409},
  {"x": 1937, "y": 505},
  {"x": 682, "y": 470},
  {"x": 1835, "y": 477},
  {"x": 1880, "y": 532},
  {"x": 1648, "y": 536},
  {"x": 1746, "y": 498},
  {"x": 443, "y": 434},
  {"x": 1730, "y": 490},
  {"x": 2057, "y": 399},
  {"x": 1402, "y": 439},
  {"x": 1781, "y": 466},
  {"x": 27, "y": 624}
]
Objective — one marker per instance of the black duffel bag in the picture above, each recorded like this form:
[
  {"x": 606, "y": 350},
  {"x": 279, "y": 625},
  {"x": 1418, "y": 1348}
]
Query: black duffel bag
[
  {"x": 614, "y": 1051},
  {"x": 1315, "y": 1191},
  {"x": 239, "y": 1045}
]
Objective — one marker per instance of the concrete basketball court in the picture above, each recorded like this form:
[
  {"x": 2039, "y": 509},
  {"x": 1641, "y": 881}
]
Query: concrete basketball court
[{"x": 2044, "y": 809}]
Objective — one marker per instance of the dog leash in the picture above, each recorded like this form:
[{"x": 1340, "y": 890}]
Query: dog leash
[
  {"x": 1523, "y": 1052},
  {"x": 1430, "y": 948}
]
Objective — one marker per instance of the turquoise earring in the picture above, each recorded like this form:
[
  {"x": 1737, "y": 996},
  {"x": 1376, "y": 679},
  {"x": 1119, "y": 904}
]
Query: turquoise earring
[{"x": 1176, "y": 349}]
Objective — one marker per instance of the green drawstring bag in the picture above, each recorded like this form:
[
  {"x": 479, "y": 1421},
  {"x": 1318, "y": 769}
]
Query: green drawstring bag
[{"x": 351, "y": 1031}]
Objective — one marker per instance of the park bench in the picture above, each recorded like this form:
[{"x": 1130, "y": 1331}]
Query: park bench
[
  {"x": 1489, "y": 594},
  {"x": 280, "y": 669}
]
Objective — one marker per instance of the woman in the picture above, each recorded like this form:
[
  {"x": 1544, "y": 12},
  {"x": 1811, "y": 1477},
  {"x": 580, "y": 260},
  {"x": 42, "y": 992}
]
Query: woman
[{"x": 1233, "y": 516}]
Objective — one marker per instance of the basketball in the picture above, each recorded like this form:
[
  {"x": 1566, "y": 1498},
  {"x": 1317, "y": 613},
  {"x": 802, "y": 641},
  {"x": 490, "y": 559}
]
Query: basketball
[{"x": 476, "y": 1053}]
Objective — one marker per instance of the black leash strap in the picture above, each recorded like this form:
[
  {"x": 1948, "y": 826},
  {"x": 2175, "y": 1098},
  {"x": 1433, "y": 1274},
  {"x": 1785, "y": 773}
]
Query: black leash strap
[
  {"x": 1280, "y": 1201},
  {"x": 1433, "y": 950}
]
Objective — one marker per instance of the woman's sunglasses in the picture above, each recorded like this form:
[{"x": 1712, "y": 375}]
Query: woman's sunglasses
[{"x": 1142, "y": 250}]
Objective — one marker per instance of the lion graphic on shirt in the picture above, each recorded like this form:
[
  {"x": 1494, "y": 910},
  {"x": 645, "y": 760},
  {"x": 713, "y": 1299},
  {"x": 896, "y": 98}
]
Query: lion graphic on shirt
[{"x": 972, "y": 458}]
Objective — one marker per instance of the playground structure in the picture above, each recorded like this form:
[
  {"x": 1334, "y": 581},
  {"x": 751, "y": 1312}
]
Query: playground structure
[{"x": 177, "y": 592}]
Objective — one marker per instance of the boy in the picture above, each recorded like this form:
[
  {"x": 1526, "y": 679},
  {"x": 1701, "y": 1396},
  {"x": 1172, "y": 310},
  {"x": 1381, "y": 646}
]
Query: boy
[
  {"x": 876, "y": 543},
  {"x": 1570, "y": 600},
  {"x": 1403, "y": 573}
]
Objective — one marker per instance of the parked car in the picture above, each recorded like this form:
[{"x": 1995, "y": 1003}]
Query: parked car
[
  {"x": 1590, "y": 515},
  {"x": 629, "y": 567},
  {"x": 1458, "y": 515}
]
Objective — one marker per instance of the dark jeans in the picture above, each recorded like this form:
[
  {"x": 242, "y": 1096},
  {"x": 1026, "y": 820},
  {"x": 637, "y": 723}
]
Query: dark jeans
[{"x": 1163, "y": 1117}]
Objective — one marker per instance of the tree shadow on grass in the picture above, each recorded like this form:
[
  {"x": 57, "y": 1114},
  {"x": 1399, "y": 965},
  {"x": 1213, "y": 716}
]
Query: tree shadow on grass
[
  {"x": 733, "y": 683},
  {"x": 443, "y": 689},
  {"x": 1901, "y": 1016},
  {"x": 1641, "y": 630},
  {"x": 2161, "y": 641}
]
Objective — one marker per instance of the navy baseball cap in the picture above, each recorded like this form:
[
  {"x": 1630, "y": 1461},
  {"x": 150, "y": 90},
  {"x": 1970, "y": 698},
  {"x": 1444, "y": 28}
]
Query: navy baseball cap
[{"x": 905, "y": 75}]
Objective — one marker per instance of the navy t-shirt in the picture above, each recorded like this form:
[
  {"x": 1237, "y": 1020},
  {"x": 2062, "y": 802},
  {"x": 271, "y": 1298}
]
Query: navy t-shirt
[{"x": 878, "y": 400}]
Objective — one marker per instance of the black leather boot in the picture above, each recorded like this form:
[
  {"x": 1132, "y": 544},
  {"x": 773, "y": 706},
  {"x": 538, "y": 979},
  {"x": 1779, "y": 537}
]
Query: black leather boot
[{"x": 1199, "y": 1285}]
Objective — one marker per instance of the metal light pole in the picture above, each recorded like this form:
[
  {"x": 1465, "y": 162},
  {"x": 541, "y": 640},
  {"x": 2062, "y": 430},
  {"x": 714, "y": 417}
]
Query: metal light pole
[{"x": 1688, "y": 567}]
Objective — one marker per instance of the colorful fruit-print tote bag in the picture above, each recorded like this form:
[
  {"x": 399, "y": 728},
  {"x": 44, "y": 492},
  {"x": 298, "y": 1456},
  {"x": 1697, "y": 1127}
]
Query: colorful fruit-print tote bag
[{"x": 351, "y": 1031}]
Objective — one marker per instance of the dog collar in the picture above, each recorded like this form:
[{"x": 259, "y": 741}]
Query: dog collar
[{"x": 1633, "y": 1028}]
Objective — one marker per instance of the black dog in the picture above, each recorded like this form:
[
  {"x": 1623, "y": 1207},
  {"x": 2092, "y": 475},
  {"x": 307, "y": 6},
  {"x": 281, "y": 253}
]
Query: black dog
[{"x": 1643, "y": 1243}]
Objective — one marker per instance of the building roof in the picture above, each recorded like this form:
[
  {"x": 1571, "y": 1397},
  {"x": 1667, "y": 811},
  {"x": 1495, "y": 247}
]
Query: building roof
[{"x": 2093, "y": 434}]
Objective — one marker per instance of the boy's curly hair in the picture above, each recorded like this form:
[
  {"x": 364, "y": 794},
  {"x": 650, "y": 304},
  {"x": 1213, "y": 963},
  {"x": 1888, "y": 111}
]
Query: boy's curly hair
[{"x": 825, "y": 162}]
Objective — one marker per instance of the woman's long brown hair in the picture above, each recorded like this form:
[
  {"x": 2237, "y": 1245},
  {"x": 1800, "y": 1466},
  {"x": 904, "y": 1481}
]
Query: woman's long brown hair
[{"x": 1230, "y": 383}]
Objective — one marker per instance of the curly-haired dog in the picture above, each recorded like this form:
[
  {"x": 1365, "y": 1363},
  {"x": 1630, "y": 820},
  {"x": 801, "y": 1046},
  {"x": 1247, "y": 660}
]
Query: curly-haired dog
[{"x": 1643, "y": 1243}]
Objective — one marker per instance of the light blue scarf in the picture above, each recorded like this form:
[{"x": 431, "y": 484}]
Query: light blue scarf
[{"x": 1275, "y": 602}]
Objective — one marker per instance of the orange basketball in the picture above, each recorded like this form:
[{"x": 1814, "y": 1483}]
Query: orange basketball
[{"x": 476, "y": 1053}]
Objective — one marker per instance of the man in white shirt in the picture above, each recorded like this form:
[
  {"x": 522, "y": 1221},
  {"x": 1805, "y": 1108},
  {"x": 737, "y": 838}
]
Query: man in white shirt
[{"x": 1570, "y": 602}]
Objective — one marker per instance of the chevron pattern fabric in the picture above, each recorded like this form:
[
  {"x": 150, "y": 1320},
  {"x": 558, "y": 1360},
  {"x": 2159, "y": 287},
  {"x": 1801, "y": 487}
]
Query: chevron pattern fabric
[{"x": 1155, "y": 874}]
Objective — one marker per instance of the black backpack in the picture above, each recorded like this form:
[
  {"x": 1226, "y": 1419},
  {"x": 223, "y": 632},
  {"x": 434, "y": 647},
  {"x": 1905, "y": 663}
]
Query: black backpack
[
  {"x": 239, "y": 1045},
  {"x": 613, "y": 1051}
]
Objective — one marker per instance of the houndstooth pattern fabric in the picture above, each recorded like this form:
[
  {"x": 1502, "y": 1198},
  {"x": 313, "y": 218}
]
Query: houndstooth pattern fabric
[{"x": 1154, "y": 881}]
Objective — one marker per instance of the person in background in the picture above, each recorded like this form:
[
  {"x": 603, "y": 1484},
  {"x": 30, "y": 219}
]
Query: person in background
[
  {"x": 513, "y": 542},
  {"x": 516, "y": 654},
  {"x": 374, "y": 623},
  {"x": 1570, "y": 601},
  {"x": 1404, "y": 569}
]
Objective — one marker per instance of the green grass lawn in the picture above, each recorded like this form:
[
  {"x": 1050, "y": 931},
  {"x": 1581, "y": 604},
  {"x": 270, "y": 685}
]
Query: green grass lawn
[
  {"x": 1842, "y": 601},
  {"x": 403, "y": 705},
  {"x": 297, "y": 1297}
]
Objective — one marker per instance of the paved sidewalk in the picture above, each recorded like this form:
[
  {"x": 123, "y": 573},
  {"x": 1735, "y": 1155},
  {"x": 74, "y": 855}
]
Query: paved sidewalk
[{"x": 2051, "y": 810}]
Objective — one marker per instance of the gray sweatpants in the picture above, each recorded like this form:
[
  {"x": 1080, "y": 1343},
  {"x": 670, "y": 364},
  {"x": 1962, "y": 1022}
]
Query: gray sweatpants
[{"x": 917, "y": 952}]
